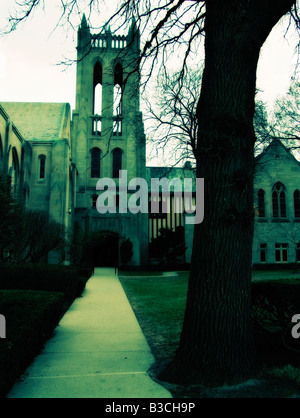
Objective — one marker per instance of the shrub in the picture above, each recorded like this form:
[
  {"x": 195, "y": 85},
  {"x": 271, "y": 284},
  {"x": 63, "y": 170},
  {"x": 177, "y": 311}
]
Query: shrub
[
  {"x": 169, "y": 246},
  {"x": 68, "y": 280},
  {"x": 31, "y": 317},
  {"x": 26, "y": 235},
  {"x": 33, "y": 297},
  {"x": 273, "y": 305},
  {"x": 126, "y": 252}
]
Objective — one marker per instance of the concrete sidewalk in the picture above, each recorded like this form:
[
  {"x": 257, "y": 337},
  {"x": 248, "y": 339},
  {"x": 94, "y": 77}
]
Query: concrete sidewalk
[{"x": 98, "y": 350}]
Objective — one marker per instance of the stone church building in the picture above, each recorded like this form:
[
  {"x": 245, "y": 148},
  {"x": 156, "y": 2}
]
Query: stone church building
[
  {"x": 55, "y": 158},
  {"x": 277, "y": 204}
]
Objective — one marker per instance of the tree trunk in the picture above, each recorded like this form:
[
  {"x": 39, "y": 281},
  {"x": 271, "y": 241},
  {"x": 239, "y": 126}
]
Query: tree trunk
[{"x": 216, "y": 342}]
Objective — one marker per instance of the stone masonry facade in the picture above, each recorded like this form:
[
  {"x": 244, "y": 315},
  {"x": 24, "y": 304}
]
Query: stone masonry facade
[{"x": 55, "y": 157}]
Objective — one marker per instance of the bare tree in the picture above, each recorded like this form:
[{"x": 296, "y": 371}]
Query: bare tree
[
  {"x": 286, "y": 118},
  {"x": 263, "y": 129},
  {"x": 216, "y": 343},
  {"x": 40, "y": 236},
  {"x": 171, "y": 116},
  {"x": 35, "y": 236},
  {"x": 25, "y": 235}
]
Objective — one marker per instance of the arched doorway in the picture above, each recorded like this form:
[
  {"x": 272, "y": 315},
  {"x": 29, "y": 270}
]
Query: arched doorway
[{"x": 105, "y": 249}]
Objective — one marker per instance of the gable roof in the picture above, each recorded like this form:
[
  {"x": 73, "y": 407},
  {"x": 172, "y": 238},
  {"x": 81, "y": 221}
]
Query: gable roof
[
  {"x": 38, "y": 121},
  {"x": 275, "y": 147}
]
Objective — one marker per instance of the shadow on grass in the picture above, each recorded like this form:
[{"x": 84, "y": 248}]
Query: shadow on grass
[{"x": 159, "y": 304}]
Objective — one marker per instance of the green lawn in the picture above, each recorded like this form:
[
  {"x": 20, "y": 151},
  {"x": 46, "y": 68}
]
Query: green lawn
[
  {"x": 275, "y": 275},
  {"x": 159, "y": 304},
  {"x": 158, "y": 300}
]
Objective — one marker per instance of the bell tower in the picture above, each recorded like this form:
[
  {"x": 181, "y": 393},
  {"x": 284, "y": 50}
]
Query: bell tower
[{"x": 107, "y": 129}]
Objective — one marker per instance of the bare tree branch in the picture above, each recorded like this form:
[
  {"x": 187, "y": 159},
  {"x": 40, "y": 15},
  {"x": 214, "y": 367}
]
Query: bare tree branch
[{"x": 171, "y": 115}]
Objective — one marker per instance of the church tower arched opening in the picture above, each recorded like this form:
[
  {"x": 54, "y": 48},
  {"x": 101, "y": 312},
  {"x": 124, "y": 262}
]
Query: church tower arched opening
[{"x": 108, "y": 136}]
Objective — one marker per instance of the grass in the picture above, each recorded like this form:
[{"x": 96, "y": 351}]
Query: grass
[
  {"x": 275, "y": 275},
  {"x": 287, "y": 372},
  {"x": 160, "y": 321},
  {"x": 159, "y": 304}
]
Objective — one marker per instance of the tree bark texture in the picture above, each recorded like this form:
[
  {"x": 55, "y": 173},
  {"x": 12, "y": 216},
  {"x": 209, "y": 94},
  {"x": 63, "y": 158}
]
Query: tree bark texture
[{"x": 216, "y": 343}]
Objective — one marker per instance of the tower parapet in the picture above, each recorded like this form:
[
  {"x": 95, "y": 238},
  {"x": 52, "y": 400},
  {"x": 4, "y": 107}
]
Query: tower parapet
[{"x": 107, "y": 40}]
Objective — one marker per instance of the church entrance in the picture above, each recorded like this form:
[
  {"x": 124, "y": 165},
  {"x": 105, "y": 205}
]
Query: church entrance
[{"x": 105, "y": 247}]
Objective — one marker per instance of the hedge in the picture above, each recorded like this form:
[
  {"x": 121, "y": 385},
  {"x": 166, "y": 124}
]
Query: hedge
[
  {"x": 31, "y": 317},
  {"x": 33, "y": 297},
  {"x": 68, "y": 280},
  {"x": 274, "y": 303}
]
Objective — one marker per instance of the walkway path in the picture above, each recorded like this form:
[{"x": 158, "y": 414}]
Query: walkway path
[{"x": 98, "y": 350}]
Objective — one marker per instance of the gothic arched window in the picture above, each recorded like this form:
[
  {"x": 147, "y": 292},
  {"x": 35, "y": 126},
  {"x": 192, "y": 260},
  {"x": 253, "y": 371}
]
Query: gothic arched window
[
  {"x": 297, "y": 203},
  {"x": 117, "y": 162},
  {"x": 278, "y": 200},
  {"x": 42, "y": 167},
  {"x": 97, "y": 98},
  {"x": 15, "y": 173},
  {"x": 261, "y": 203},
  {"x": 1, "y": 154},
  {"x": 94, "y": 200},
  {"x": 97, "y": 109},
  {"x": 95, "y": 162},
  {"x": 118, "y": 87}
]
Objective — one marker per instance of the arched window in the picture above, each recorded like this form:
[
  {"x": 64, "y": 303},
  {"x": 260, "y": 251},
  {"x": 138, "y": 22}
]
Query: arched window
[
  {"x": 42, "y": 167},
  {"x": 97, "y": 109},
  {"x": 26, "y": 194},
  {"x": 117, "y": 162},
  {"x": 15, "y": 171},
  {"x": 298, "y": 252},
  {"x": 297, "y": 203},
  {"x": 22, "y": 159},
  {"x": 261, "y": 203},
  {"x": 95, "y": 162},
  {"x": 97, "y": 98},
  {"x": 118, "y": 87},
  {"x": 94, "y": 200},
  {"x": 118, "y": 97},
  {"x": 1, "y": 153},
  {"x": 278, "y": 201}
]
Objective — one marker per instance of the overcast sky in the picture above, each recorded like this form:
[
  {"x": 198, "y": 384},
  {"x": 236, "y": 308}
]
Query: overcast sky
[{"x": 29, "y": 58}]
